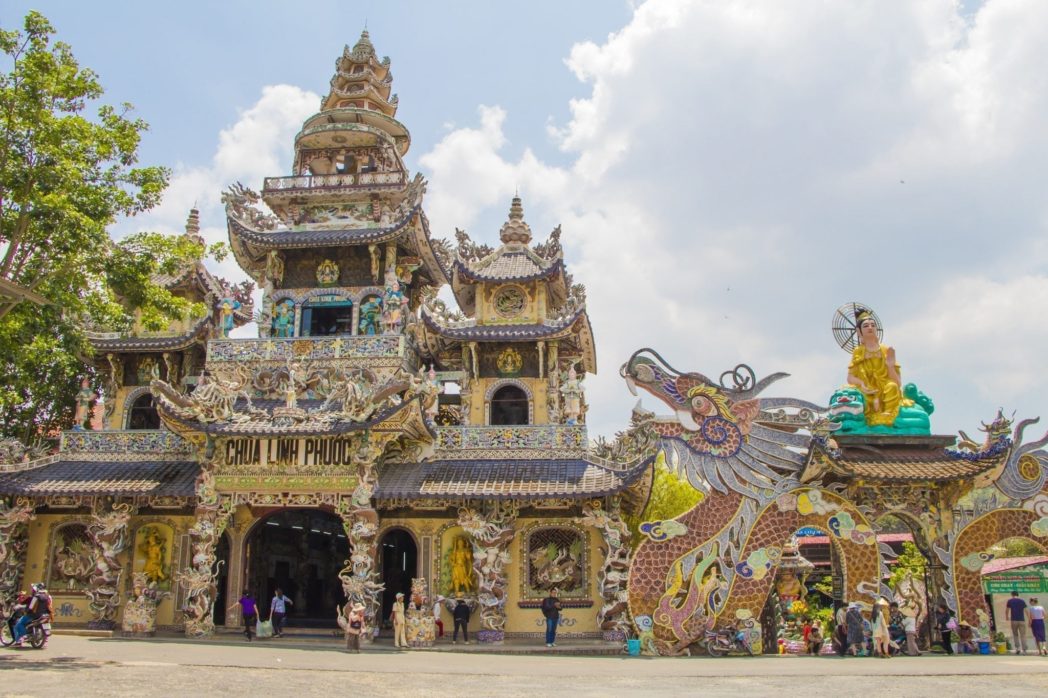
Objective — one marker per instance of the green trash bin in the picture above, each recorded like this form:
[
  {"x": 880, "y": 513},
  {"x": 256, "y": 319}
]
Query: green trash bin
[{"x": 633, "y": 647}]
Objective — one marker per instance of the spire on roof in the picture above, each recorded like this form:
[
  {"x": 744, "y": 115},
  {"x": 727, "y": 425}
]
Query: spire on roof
[
  {"x": 363, "y": 49},
  {"x": 515, "y": 230},
  {"x": 193, "y": 226}
]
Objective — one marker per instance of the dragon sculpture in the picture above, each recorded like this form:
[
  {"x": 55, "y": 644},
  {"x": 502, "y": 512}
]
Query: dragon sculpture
[
  {"x": 14, "y": 522},
  {"x": 715, "y": 563},
  {"x": 491, "y": 531},
  {"x": 109, "y": 533}
]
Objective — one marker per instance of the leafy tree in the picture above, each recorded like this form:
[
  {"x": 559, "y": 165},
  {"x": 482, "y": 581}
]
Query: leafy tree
[
  {"x": 670, "y": 497},
  {"x": 910, "y": 560},
  {"x": 65, "y": 176}
]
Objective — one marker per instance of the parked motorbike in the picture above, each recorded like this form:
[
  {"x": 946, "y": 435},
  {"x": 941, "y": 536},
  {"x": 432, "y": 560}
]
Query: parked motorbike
[{"x": 720, "y": 642}]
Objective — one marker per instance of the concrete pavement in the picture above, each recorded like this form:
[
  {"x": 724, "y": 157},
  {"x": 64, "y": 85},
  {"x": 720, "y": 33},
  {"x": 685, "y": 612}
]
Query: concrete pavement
[{"x": 162, "y": 667}]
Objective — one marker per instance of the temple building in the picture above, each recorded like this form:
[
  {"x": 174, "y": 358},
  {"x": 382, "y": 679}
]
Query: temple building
[
  {"x": 411, "y": 419},
  {"x": 370, "y": 436}
]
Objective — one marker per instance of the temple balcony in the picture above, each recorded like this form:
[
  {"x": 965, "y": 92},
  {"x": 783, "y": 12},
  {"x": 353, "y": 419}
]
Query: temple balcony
[
  {"x": 547, "y": 441},
  {"x": 120, "y": 444},
  {"x": 394, "y": 347},
  {"x": 316, "y": 185}
]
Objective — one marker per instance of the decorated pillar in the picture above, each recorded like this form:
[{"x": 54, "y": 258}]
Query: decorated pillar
[
  {"x": 14, "y": 539},
  {"x": 491, "y": 531},
  {"x": 199, "y": 579},
  {"x": 612, "y": 617},
  {"x": 109, "y": 532},
  {"x": 360, "y": 519}
]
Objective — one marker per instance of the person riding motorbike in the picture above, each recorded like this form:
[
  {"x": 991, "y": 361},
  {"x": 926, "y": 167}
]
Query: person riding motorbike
[{"x": 37, "y": 605}]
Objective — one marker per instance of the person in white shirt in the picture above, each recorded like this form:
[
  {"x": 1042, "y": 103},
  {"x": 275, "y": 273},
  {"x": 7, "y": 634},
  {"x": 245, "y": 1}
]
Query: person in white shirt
[
  {"x": 436, "y": 616},
  {"x": 278, "y": 610},
  {"x": 909, "y": 626}
]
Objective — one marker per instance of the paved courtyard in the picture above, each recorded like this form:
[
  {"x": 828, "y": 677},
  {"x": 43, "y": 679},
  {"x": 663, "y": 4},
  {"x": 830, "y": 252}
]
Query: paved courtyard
[{"x": 83, "y": 666}]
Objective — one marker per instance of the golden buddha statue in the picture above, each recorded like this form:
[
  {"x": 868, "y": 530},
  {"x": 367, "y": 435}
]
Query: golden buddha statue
[
  {"x": 874, "y": 372},
  {"x": 461, "y": 559}
]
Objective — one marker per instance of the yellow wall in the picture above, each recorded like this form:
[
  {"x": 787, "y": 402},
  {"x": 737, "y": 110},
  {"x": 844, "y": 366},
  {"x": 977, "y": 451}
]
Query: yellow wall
[
  {"x": 478, "y": 408},
  {"x": 71, "y": 607}
]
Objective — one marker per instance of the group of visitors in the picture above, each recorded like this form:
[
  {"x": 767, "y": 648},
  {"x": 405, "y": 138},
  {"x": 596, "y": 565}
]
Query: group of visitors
[
  {"x": 250, "y": 615},
  {"x": 1020, "y": 614},
  {"x": 888, "y": 631}
]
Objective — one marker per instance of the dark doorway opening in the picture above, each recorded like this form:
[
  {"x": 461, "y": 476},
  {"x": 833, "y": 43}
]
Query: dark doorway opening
[
  {"x": 509, "y": 405},
  {"x": 300, "y": 551},
  {"x": 143, "y": 414},
  {"x": 399, "y": 565},
  {"x": 324, "y": 319},
  {"x": 221, "y": 595}
]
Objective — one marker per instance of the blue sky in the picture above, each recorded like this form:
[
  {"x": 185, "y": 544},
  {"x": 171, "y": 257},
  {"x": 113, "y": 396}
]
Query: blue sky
[{"x": 727, "y": 173}]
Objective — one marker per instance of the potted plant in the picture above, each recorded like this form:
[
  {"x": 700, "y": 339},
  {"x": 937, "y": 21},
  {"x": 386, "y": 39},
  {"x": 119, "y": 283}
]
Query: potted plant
[{"x": 1001, "y": 643}]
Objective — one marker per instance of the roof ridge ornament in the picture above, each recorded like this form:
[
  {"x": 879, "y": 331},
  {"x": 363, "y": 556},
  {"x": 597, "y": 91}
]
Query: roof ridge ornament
[{"x": 515, "y": 230}]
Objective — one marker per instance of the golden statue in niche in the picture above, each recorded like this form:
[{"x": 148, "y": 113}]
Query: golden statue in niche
[
  {"x": 509, "y": 362},
  {"x": 461, "y": 562},
  {"x": 153, "y": 548}
]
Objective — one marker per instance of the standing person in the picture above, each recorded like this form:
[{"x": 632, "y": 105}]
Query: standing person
[
  {"x": 249, "y": 612},
  {"x": 909, "y": 626},
  {"x": 853, "y": 623},
  {"x": 461, "y": 618},
  {"x": 436, "y": 616},
  {"x": 1015, "y": 611},
  {"x": 881, "y": 636},
  {"x": 1036, "y": 612},
  {"x": 944, "y": 620},
  {"x": 354, "y": 627},
  {"x": 278, "y": 610},
  {"x": 551, "y": 610},
  {"x": 399, "y": 622}
]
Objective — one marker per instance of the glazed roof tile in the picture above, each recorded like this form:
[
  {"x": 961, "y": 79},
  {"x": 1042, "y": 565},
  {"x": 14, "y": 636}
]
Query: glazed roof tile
[
  {"x": 282, "y": 239},
  {"x": 933, "y": 466},
  {"x": 501, "y": 479},
  {"x": 505, "y": 333},
  {"x": 157, "y": 478},
  {"x": 503, "y": 265}
]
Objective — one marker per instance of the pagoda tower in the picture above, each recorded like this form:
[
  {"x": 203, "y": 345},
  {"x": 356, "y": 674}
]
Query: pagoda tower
[
  {"x": 346, "y": 248},
  {"x": 525, "y": 343}
]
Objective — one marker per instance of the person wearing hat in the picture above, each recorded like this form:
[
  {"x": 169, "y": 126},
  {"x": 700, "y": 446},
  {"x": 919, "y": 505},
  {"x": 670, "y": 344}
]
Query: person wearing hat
[
  {"x": 399, "y": 622},
  {"x": 461, "y": 618},
  {"x": 354, "y": 626},
  {"x": 853, "y": 622},
  {"x": 436, "y": 616}
]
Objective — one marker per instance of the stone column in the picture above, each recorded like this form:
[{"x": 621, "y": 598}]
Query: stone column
[
  {"x": 612, "y": 618},
  {"x": 109, "y": 532},
  {"x": 491, "y": 531},
  {"x": 199, "y": 579},
  {"x": 360, "y": 519},
  {"x": 14, "y": 539}
]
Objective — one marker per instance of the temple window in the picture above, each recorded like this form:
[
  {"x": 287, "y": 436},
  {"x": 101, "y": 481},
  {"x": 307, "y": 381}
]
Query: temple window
[
  {"x": 327, "y": 319},
  {"x": 143, "y": 414},
  {"x": 556, "y": 558},
  {"x": 509, "y": 405}
]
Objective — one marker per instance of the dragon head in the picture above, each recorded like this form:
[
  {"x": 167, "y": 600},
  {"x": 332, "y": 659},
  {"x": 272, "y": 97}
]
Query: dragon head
[{"x": 692, "y": 396}]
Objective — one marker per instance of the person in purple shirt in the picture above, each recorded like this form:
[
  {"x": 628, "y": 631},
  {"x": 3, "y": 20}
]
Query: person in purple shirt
[
  {"x": 248, "y": 610},
  {"x": 1016, "y": 613}
]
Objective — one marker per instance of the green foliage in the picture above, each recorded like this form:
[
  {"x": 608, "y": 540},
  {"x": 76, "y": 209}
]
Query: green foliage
[
  {"x": 65, "y": 176},
  {"x": 670, "y": 497},
  {"x": 909, "y": 561},
  {"x": 1016, "y": 547}
]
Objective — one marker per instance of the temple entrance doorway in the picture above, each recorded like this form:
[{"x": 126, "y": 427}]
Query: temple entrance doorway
[
  {"x": 221, "y": 597},
  {"x": 399, "y": 556},
  {"x": 909, "y": 575},
  {"x": 300, "y": 551},
  {"x": 804, "y": 588}
]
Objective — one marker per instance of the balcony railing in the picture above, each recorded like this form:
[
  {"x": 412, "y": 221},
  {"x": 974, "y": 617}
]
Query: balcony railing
[
  {"x": 541, "y": 441},
  {"x": 132, "y": 441},
  {"x": 306, "y": 348},
  {"x": 332, "y": 182}
]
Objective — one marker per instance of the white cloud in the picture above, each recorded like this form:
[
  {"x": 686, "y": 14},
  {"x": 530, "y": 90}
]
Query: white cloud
[
  {"x": 254, "y": 147},
  {"x": 742, "y": 168}
]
